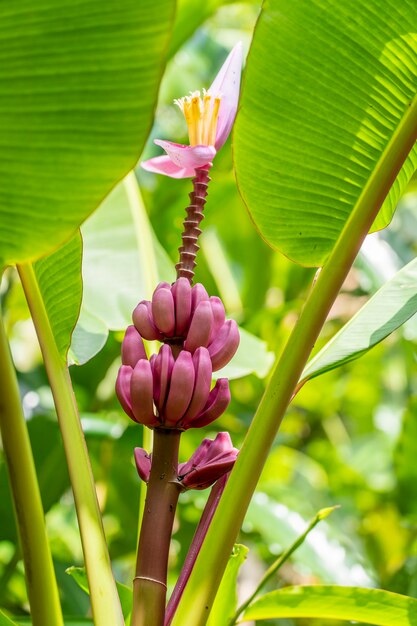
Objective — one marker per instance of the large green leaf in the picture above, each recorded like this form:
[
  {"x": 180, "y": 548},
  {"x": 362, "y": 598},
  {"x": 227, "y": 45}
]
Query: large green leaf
[
  {"x": 386, "y": 311},
  {"x": 59, "y": 279},
  {"x": 79, "y": 83},
  {"x": 328, "y": 84},
  {"x": 225, "y": 603},
  {"x": 370, "y": 606},
  {"x": 122, "y": 260}
]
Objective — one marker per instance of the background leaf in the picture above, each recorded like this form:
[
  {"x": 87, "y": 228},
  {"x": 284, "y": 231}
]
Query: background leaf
[
  {"x": 386, "y": 311},
  {"x": 125, "y": 594},
  {"x": 79, "y": 85},
  {"x": 371, "y": 606},
  {"x": 252, "y": 357},
  {"x": 313, "y": 125}
]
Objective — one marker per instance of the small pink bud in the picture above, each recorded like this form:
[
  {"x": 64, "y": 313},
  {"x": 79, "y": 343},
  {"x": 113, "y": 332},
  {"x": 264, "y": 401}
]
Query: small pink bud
[
  {"x": 163, "y": 311},
  {"x": 132, "y": 347},
  {"x": 143, "y": 462},
  {"x": 200, "y": 327},
  {"x": 217, "y": 403},
  {"x": 181, "y": 290},
  {"x": 180, "y": 390},
  {"x": 141, "y": 393},
  {"x": 211, "y": 460},
  {"x": 123, "y": 389},
  {"x": 143, "y": 321},
  {"x": 224, "y": 346}
]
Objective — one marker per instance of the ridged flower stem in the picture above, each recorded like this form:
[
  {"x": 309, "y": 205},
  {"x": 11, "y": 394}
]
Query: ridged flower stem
[
  {"x": 149, "y": 588},
  {"x": 188, "y": 250},
  {"x": 39, "y": 571}
]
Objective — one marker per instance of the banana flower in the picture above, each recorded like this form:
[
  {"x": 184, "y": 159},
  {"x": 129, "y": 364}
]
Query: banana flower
[{"x": 209, "y": 116}]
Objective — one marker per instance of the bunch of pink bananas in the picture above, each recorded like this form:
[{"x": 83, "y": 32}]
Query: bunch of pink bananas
[
  {"x": 173, "y": 388},
  {"x": 212, "y": 459}
]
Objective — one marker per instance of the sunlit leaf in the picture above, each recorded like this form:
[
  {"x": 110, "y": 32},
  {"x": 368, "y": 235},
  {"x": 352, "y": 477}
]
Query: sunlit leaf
[
  {"x": 386, "y": 311},
  {"x": 370, "y": 606},
  {"x": 321, "y": 101},
  {"x": 79, "y": 83},
  {"x": 118, "y": 255}
]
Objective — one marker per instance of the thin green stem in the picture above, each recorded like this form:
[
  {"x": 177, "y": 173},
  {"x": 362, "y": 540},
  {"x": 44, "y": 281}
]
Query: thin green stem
[
  {"x": 202, "y": 586},
  {"x": 147, "y": 261},
  {"x": 39, "y": 571},
  {"x": 279, "y": 562},
  {"x": 150, "y": 583},
  {"x": 103, "y": 593},
  {"x": 143, "y": 233}
]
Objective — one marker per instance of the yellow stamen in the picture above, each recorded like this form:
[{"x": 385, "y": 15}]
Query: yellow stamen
[
  {"x": 196, "y": 120},
  {"x": 189, "y": 119},
  {"x": 213, "y": 122},
  {"x": 206, "y": 118},
  {"x": 201, "y": 113}
]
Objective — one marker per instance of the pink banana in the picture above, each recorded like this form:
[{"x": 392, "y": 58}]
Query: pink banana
[
  {"x": 143, "y": 321},
  {"x": 132, "y": 347},
  {"x": 200, "y": 327},
  {"x": 217, "y": 403},
  {"x": 180, "y": 389},
  {"x": 224, "y": 346},
  {"x": 141, "y": 393},
  {"x": 163, "y": 311}
]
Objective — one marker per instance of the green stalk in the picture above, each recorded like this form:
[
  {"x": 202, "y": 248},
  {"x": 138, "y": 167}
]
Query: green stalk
[
  {"x": 39, "y": 571},
  {"x": 202, "y": 586},
  {"x": 103, "y": 593},
  {"x": 283, "y": 558}
]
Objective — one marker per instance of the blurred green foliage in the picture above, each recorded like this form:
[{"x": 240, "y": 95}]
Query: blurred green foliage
[{"x": 349, "y": 438}]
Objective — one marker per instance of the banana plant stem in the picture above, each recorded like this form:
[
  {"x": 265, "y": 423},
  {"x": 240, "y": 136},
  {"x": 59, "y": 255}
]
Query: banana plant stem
[
  {"x": 103, "y": 593},
  {"x": 39, "y": 571},
  {"x": 149, "y": 585},
  {"x": 205, "y": 578}
]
